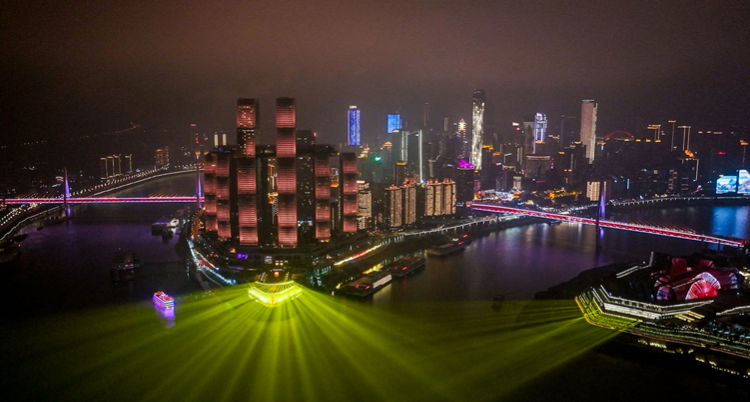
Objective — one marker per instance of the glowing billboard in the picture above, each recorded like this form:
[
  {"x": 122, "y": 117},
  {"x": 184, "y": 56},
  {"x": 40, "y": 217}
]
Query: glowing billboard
[
  {"x": 394, "y": 122},
  {"x": 744, "y": 183},
  {"x": 726, "y": 184}
]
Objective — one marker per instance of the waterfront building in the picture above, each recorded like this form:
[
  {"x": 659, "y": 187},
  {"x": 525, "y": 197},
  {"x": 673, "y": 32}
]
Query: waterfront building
[
  {"x": 440, "y": 197},
  {"x": 353, "y": 128},
  {"x": 348, "y": 188},
  {"x": 410, "y": 201},
  {"x": 477, "y": 127},
  {"x": 588, "y": 127},
  {"x": 305, "y": 139},
  {"x": 286, "y": 152},
  {"x": 465, "y": 184},
  {"x": 364, "y": 205},
  {"x": 394, "y": 206}
]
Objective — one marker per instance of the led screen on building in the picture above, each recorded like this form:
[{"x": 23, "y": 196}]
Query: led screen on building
[
  {"x": 744, "y": 185},
  {"x": 726, "y": 184},
  {"x": 394, "y": 122}
]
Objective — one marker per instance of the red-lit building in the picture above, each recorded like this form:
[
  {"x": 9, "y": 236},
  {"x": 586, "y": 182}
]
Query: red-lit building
[
  {"x": 247, "y": 188},
  {"x": 286, "y": 153},
  {"x": 348, "y": 188},
  {"x": 322, "y": 197}
]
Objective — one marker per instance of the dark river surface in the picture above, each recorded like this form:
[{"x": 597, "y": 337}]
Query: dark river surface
[{"x": 61, "y": 285}]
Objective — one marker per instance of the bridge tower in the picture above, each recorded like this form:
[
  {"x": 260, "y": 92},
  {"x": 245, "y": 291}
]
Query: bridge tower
[
  {"x": 66, "y": 193},
  {"x": 601, "y": 210}
]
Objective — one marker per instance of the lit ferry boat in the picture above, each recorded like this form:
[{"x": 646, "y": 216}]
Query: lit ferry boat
[
  {"x": 163, "y": 300},
  {"x": 447, "y": 248},
  {"x": 368, "y": 284},
  {"x": 406, "y": 265}
]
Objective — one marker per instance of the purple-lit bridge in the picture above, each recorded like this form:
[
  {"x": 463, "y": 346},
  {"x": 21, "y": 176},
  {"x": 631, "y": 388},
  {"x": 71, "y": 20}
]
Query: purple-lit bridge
[
  {"x": 100, "y": 200},
  {"x": 478, "y": 206}
]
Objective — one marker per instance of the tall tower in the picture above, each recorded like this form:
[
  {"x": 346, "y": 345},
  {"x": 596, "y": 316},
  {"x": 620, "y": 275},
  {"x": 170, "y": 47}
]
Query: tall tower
[
  {"x": 540, "y": 130},
  {"x": 348, "y": 186},
  {"x": 354, "y": 126},
  {"x": 463, "y": 138},
  {"x": 588, "y": 127},
  {"x": 247, "y": 189},
  {"x": 286, "y": 153},
  {"x": 477, "y": 128},
  {"x": 322, "y": 197}
]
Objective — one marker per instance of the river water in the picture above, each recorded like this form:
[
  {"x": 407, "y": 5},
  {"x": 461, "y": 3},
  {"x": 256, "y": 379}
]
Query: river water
[{"x": 456, "y": 350}]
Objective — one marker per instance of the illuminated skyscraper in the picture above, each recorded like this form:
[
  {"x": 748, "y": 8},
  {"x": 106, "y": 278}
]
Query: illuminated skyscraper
[
  {"x": 463, "y": 138},
  {"x": 209, "y": 191},
  {"x": 364, "y": 205},
  {"x": 348, "y": 187},
  {"x": 394, "y": 213},
  {"x": 247, "y": 189},
  {"x": 286, "y": 152},
  {"x": 477, "y": 127},
  {"x": 410, "y": 201},
  {"x": 322, "y": 197},
  {"x": 247, "y": 120},
  {"x": 588, "y": 127},
  {"x": 354, "y": 126},
  {"x": 540, "y": 130}
]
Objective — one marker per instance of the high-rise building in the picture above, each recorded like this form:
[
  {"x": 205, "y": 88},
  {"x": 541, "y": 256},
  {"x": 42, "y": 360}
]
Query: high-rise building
[
  {"x": 348, "y": 187},
  {"x": 426, "y": 115},
  {"x": 209, "y": 191},
  {"x": 540, "y": 130},
  {"x": 477, "y": 127},
  {"x": 322, "y": 197},
  {"x": 364, "y": 205},
  {"x": 247, "y": 120},
  {"x": 588, "y": 127},
  {"x": 353, "y": 130},
  {"x": 286, "y": 153},
  {"x": 440, "y": 197},
  {"x": 433, "y": 200},
  {"x": 401, "y": 142},
  {"x": 465, "y": 184},
  {"x": 463, "y": 138},
  {"x": 399, "y": 173},
  {"x": 246, "y": 163},
  {"x": 394, "y": 122},
  {"x": 410, "y": 201},
  {"x": 394, "y": 213}
]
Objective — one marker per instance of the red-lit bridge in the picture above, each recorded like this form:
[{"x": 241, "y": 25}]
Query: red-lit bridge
[
  {"x": 100, "y": 200},
  {"x": 610, "y": 224}
]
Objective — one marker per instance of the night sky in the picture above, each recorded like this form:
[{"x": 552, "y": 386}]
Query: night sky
[{"x": 77, "y": 68}]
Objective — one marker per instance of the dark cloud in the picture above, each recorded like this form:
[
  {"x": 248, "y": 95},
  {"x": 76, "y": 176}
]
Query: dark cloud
[{"x": 93, "y": 65}]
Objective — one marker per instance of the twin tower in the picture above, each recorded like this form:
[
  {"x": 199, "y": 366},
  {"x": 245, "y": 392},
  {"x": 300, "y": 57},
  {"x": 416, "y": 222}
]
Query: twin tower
[{"x": 240, "y": 183}]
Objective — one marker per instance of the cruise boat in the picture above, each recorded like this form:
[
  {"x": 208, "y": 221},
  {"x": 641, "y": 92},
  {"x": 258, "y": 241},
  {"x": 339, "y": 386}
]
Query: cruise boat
[
  {"x": 406, "y": 265},
  {"x": 368, "y": 284},
  {"x": 163, "y": 300},
  {"x": 447, "y": 248},
  {"x": 465, "y": 238}
]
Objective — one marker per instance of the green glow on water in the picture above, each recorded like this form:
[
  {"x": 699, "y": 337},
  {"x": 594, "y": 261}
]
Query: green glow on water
[{"x": 225, "y": 346}]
